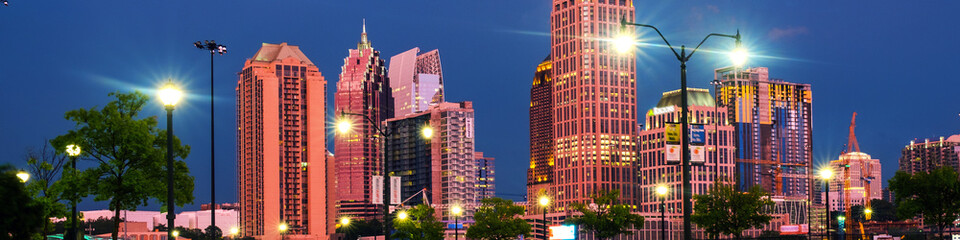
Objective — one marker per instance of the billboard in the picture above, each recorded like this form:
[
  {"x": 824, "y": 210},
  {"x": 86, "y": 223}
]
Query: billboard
[
  {"x": 673, "y": 153},
  {"x": 563, "y": 232},
  {"x": 697, "y": 155},
  {"x": 394, "y": 190},
  {"x": 671, "y": 133},
  {"x": 376, "y": 186},
  {"x": 793, "y": 229},
  {"x": 697, "y": 134}
]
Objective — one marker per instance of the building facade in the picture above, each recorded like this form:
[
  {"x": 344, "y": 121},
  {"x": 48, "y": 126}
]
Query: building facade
[
  {"x": 540, "y": 174},
  {"x": 928, "y": 155},
  {"x": 362, "y": 89},
  {"x": 594, "y": 102},
  {"x": 774, "y": 130},
  {"x": 282, "y": 160},
  {"x": 486, "y": 176},
  {"x": 856, "y": 180},
  {"x": 416, "y": 80},
  {"x": 652, "y": 165}
]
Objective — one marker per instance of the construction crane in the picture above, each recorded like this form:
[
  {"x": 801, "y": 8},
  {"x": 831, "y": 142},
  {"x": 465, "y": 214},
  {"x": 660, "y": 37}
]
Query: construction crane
[{"x": 854, "y": 147}]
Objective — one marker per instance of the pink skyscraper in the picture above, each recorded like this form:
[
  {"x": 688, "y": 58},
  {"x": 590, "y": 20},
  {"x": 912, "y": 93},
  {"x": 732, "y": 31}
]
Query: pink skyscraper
[
  {"x": 416, "y": 80},
  {"x": 282, "y": 162},
  {"x": 362, "y": 89}
]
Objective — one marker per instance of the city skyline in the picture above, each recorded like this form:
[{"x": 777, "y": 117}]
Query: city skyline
[{"x": 140, "y": 58}]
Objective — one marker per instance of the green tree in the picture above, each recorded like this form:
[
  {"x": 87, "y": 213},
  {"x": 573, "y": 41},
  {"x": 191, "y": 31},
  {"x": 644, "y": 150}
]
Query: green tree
[
  {"x": 724, "y": 210},
  {"x": 856, "y": 214},
  {"x": 18, "y": 218},
  {"x": 604, "y": 217},
  {"x": 498, "y": 219},
  {"x": 421, "y": 224},
  {"x": 934, "y": 196},
  {"x": 45, "y": 166},
  {"x": 882, "y": 211},
  {"x": 361, "y": 228},
  {"x": 130, "y": 152}
]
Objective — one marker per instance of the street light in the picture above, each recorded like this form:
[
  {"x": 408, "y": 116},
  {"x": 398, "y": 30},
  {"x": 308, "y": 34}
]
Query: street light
[
  {"x": 544, "y": 203},
  {"x": 826, "y": 174},
  {"x": 283, "y": 230},
  {"x": 73, "y": 151},
  {"x": 213, "y": 47},
  {"x": 456, "y": 210},
  {"x": 344, "y": 221},
  {"x": 867, "y": 212},
  {"x": 170, "y": 95},
  {"x": 344, "y": 125},
  {"x": 662, "y": 192},
  {"x": 24, "y": 176},
  {"x": 402, "y": 215},
  {"x": 234, "y": 231},
  {"x": 175, "y": 234},
  {"x": 683, "y": 57}
]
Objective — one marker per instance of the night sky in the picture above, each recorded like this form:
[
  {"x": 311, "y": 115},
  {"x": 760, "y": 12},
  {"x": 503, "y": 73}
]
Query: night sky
[{"x": 893, "y": 62}]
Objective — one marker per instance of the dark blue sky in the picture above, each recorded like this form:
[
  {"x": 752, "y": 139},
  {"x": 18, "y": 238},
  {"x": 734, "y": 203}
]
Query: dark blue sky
[{"x": 891, "y": 61}]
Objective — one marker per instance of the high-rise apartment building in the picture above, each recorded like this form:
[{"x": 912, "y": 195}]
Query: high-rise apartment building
[
  {"x": 856, "y": 180},
  {"x": 594, "y": 102},
  {"x": 774, "y": 130},
  {"x": 416, "y": 81},
  {"x": 282, "y": 163},
  {"x": 540, "y": 174},
  {"x": 929, "y": 155},
  {"x": 652, "y": 165},
  {"x": 444, "y": 165},
  {"x": 486, "y": 176},
  {"x": 362, "y": 89}
]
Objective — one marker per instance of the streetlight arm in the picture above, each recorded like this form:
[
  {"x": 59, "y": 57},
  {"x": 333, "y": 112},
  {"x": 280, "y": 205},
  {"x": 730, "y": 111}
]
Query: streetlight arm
[
  {"x": 737, "y": 37},
  {"x": 624, "y": 24},
  {"x": 376, "y": 126}
]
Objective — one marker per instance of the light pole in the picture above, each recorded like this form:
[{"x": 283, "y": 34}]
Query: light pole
[
  {"x": 716, "y": 128},
  {"x": 345, "y": 126},
  {"x": 662, "y": 192},
  {"x": 825, "y": 175},
  {"x": 624, "y": 43},
  {"x": 233, "y": 232},
  {"x": 73, "y": 151},
  {"x": 170, "y": 95},
  {"x": 544, "y": 203},
  {"x": 213, "y": 47},
  {"x": 456, "y": 210},
  {"x": 283, "y": 230}
]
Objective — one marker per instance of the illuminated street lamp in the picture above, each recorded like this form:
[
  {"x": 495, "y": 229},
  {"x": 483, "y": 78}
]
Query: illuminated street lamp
[
  {"x": 73, "y": 151},
  {"x": 402, "y": 215},
  {"x": 234, "y": 231},
  {"x": 283, "y": 230},
  {"x": 683, "y": 57},
  {"x": 24, "y": 176},
  {"x": 662, "y": 191},
  {"x": 170, "y": 96},
  {"x": 344, "y": 221},
  {"x": 544, "y": 203},
  {"x": 175, "y": 234},
  {"x": 826, "y": 174},
  {"x": 867, "y": 212},
  {"x": 456, "y": 211},
  {"x": 213, "y": 47}
]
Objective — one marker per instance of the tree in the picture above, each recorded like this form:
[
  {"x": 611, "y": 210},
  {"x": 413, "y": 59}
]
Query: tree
[
  {"x": 882, "y": 211},
  {"x": 724, "y": 210},
  {"x": 361, "y": 228},
  {"x": 213, "y": 233},
  {"x": 498, "y": 219},
  {"x": 419, "y": 225},
  {"x": 130, "y": 152},
  {"x": 856, "y": 214},
  {"x": 18, "y": 218},
  {"x": 935, "y": 196},
  {"x": 604, "y": 217},
  {"x": 45, "y": 166}
]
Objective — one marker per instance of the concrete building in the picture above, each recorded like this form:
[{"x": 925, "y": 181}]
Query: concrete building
[
  {"x": 416, "y": 81},
  {"x": 594, "y": 102},
  {"x": 928, "y": 155},
  {"x": 443, "y": 166},
  {"x": 540, "y": 174},
  {"x": 774, "y": 130},
  {"x": 362, "y": 89},
  {"x": 856, "y": 180},
  {"x": 486, "y": 176},
  {"x": 282, "y": 160}
]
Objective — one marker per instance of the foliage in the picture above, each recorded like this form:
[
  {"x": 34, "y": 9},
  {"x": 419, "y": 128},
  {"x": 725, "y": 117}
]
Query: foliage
[
  {"x": 130, "y": 152},
  {"x": 191, "y": 233},
  {"x": 421, "y": 224},
  {"x": 213, "y": 233},
  {"x": 498, "y": 219},
  {"x": 935, "y": 196},
  {"x": 882, "y": 211},
  {"x": 17, "y": 216},
  {"x": 360, "y": 228},
  {"x": 605, "y": 218},
  {"x": 45, "y": 166},
  {"x": 724, "y": 210},
  {"x": 856, "y": 214}
]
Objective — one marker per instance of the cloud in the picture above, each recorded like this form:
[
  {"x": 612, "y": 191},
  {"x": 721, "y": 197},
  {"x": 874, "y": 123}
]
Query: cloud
[
  {"x": 713, "y": 8},
  {"x": 778, "y": 33}
]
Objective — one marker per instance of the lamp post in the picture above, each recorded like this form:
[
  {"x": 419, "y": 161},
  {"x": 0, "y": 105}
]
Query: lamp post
[
  {"x": 716, "y": 128},
  {"x": 662, "y": 192},
  {"x": 283, "y": 230},
  {"x": 170, "y": 95},
  {"x": 456, "y": 211},
  {"x": 624, "y": 43},
  {"x": 825, "y": 175},
  {"x": 544, "y": 203},
  {"x": 233, "y": 232},
  {"x": 73, "y": 151},
  {"x": 24, "y": 176},
  {"x": 213, "y": 47},
  {"x": 345, "y": 126}
]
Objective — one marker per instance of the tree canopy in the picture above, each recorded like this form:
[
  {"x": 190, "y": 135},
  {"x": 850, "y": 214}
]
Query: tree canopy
[
  {"x": 604, "y": 218},
  {"x": 18, "y": 218},
  {"x": 935, "y": 196},
  {"x": 498, "y": 219},
  {"x": 421, "y": 224},
  {"x": 724, "y": 210}
]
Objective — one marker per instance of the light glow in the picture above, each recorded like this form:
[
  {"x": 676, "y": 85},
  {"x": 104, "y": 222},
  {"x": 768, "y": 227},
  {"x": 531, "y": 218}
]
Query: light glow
[
  {"x": 283, "y": 227},
  {"x": 456, "y": 210},
  {"x": 344, "y": 221},
  {"x": 427, "y": 132},
  {"x": 623, "y": 42},
  {"x": 402, "y": 215},
  {"x": 739, "y": 56},
  {"x": 176, "y": 233},
  {"x": 826, "y": 174},
  {"x": 234, "y": 231},
  {"x": 544, "y": 201},
  {"x": 170, "y": 95},
  {"x": 662, "y": 190},
  {"x": 24, "y": 176},
  {"x": 344, "y": 125},
  {"x": 73, "y": 150}
]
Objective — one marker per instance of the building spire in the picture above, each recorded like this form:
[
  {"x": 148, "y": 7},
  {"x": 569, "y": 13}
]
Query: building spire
[{"x": 363, "y": 44}]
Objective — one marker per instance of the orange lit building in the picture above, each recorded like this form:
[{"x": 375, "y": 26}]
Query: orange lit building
[
  {"x": 282, "y": 163},
  {"x": 540, "y": 173}
]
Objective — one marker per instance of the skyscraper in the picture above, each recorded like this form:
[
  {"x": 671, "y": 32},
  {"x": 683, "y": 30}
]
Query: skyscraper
[
  {"x": 362, "y": 89},
  {"x": 540, "y": 174},
  {"x": 416, "y": 81},
  {"x": 774, "y": 130},
  {"x": 282, "y": 160},
  {"x": 863, "y": 175},
  {"x": 594, "y": 101},
  {"x": 486, "y": 176},
  {"x": 929, "y": 155}
]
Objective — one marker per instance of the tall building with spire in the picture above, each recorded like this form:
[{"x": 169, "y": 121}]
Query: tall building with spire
[
  {"x": 594, "y": 102},
  {"x": 540, "y": 173},
  {"x": 282, "y": 164},
  {"x": 362, "y": 89},
  {"x": 416, "y": 81}
]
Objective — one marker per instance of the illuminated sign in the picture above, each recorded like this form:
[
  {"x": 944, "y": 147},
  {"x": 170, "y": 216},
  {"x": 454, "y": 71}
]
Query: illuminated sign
[
  {"x": 697, "y": 134},
  {"x": 662, "y": 110},
  {"x": 672, "y": 133},
  {"x": 563, "y": 232}
]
